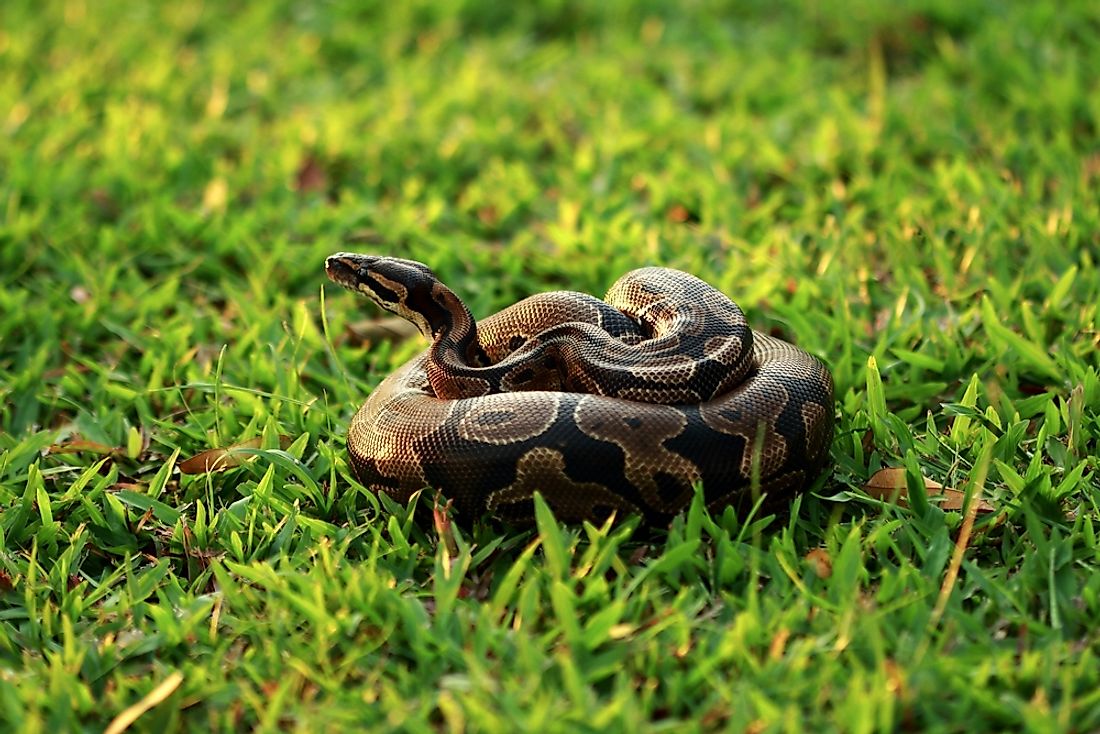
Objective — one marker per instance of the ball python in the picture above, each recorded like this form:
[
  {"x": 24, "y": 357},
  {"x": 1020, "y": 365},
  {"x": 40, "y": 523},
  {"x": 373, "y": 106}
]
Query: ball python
[{"x": 619, "y": 405}]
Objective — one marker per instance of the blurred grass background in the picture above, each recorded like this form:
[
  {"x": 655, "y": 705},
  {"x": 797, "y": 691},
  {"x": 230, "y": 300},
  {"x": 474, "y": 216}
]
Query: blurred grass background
[{"x": 910, "y": 182}]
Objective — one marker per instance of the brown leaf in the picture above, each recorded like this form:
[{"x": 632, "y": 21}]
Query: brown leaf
[
  {"x": 221, "y": 459},
  {"x": 105, "y": 203},
  {"x": 822, "y": 564},
  {"x": 679, "y": 214},
  {"x": 91, "y": 447},
  {"x": 61, "y": 371},
  {"x": 488, "y": 215},
  {"x": 367, "y": 236},
  {"x": 889, "y": 485},
  {"x": 868, "y": 441},
  {"x": 144, "y": 519},
  {"x": 310, "y": 176},
  {"x": 392, "y": 329},
  {"x": 779, "y": 644},
  {"x": 441, "y": 518},
  {"x": 716, "y": 717},
  {"x": 895, "y": 680}
]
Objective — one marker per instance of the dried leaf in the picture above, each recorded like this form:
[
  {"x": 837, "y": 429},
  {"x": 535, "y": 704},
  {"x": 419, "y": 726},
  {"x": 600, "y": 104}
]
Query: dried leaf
[
  {"x": 679, "y": 214},
  {"x": 105, "y": 204},
  {"x": 221, "y": 459},
  {"x": 91, "y": 447},
  {"x": 441, "y": 518},
  {"x": 779, "y": 644},
  {"x": 889, "y": 485},
  {"x": 387, "y": 329},
  {"x": 310, "y": 176},
  {"x": 488, "y": 215},
  {"x": 819, "y": 560},
  {"x": 895, "y": 679},
  {"x": 884, "y": 483},
  {"x": 365, "y": 236},
  {"x": 156, "y": 696}
]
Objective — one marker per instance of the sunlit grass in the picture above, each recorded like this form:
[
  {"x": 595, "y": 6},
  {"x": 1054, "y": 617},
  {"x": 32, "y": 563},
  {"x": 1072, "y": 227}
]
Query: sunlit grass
[{"x": 906, "y": 190}]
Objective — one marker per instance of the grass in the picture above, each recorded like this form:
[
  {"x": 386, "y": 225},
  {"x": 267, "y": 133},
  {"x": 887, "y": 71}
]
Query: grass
[{"x": 906, "y": 189}]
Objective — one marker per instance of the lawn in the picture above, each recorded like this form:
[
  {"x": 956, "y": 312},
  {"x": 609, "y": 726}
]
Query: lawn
[{"x": 907, "y": 190}]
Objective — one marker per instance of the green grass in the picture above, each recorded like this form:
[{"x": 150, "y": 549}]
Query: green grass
[{"x": 906, "y": 189}]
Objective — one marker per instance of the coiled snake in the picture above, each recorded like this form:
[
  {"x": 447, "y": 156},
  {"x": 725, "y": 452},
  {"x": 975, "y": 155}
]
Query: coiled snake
[{"x": 620, "y": 405}]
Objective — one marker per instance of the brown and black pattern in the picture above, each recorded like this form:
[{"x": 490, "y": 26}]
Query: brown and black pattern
[{"x": 617, "y": 406}]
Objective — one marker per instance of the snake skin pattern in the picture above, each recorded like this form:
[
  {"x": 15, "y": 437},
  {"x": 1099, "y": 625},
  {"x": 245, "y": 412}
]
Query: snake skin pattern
[{"x": 620, "y": 405}]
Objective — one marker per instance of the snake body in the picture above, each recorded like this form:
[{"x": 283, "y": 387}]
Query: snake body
[{"x": 617, "y": 405}]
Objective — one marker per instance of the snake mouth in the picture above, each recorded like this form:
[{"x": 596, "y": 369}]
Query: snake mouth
[{"x": 343, "y": 269}]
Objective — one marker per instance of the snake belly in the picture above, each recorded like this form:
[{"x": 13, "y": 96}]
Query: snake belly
[{"x": 590, "y": 455}]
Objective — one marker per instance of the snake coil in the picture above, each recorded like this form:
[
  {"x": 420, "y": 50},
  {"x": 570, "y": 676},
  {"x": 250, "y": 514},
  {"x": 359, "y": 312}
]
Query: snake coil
[{"x": 616, "y": 405}]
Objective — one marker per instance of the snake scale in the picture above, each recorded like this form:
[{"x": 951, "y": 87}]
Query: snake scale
[{"x": 617, "y": 405}]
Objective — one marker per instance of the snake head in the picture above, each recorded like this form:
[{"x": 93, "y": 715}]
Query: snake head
[
  {"x": 403, "y": 287},
  {"x": 362, "y": 273}
]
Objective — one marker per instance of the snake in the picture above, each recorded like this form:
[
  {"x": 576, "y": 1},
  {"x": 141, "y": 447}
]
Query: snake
[{"x": 626, "y": 405}]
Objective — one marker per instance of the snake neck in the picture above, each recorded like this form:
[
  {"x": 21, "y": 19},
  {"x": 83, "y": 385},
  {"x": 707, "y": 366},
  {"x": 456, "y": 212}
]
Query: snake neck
[{"x": 453, "y": 331}]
